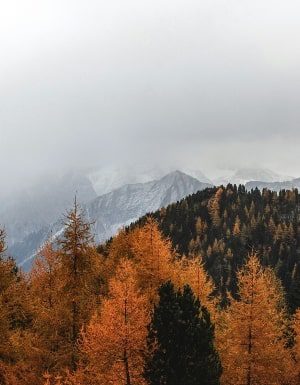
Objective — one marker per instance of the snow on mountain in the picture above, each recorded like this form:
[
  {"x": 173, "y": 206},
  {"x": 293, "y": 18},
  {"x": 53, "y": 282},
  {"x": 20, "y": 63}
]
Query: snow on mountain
[
  {"x": 197, "y": 174},
  {"x": 274, "y": 186},
  {"x": 118, "y": 208},
  {"x": 109, "y": 178},
  {"x": 245, "y": 175},
  {"x": 126, "y": 204}
]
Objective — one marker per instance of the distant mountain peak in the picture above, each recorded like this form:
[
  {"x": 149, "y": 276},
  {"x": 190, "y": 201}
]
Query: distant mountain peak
[
  {"x": 248, "y": 174},
  {"x": 120, "y": 207}
]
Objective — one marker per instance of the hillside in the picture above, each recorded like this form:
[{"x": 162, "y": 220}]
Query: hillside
[{"x": 225, "y": 224}]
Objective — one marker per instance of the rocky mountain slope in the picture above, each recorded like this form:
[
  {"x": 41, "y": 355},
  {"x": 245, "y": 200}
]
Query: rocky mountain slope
[
  {"x": 110, "y": 211},
  {"x": 274, "y": 186}
]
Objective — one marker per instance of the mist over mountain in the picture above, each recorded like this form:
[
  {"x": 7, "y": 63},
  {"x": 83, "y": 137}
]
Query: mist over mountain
[
  {"x": 38, "y": 206},
  {"x": 112, "y": 197},
  {"x": 109, "y": 212},
  {"x": 245, "y": 175},
  {"x": 274, "y": 186}
]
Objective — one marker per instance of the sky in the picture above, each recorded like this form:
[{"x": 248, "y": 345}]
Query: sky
[{"x": 210, "y": 84}]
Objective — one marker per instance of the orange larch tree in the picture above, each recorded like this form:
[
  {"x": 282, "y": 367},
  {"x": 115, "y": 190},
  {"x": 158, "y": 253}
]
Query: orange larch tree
[
  {"x": 114, "y": 344},
  {"x": 153, "y": 254},
  {"x": 79, "y": 279},
  {"x": 191, "y": 271},
  {"x": 296, "y": 350},
  {"x": 15, "y": 321},
  {"x": 47, "y": 342},
  {"x": 252, "y": 343}
]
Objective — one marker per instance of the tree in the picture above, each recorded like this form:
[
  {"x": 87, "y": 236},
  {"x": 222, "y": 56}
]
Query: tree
[
  {"x": 237, "y": 227},
  {"x": 114, "y": 343},
  {"x": 253, "y": 347},
  {"x": 294, "y": 292},
  {"x": 181, "y": 341},
  {"x": 48, "y": 334},
  {"x": 214, "y": 207},
  {"x": 191, "y": 271},
  {"x": 15, "y": 320},
  {"x": 153, "y": 254},
  {"x": 78, "y": 273},
  {"x": 296, "y": 327}
]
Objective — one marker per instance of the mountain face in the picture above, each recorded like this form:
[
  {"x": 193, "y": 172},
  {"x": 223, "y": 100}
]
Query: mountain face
[
  {"x": 109, "y": 178},
  {"x": 126, "y": 204},
  {"x": 32, "y": 211},
  {"x": 109, "y": 212},
  {"x": 274, "y": 186},
  {"x": 245, "y": 175}
]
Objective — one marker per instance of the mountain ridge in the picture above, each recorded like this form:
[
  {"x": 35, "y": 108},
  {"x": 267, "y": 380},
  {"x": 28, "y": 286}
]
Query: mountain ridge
[{"x": 118, "y": 208}]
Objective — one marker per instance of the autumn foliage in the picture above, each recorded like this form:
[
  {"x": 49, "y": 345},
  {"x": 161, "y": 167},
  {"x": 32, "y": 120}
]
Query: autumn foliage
[{"x": 83, "y": 315}]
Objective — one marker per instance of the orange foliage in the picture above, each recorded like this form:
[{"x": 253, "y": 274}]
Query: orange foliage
[
  {"x": 251, "y": 342},
  {"x": 296, "y": 326},
  {"x": 114, "y": 343},
  {"x": 153, "y": 254},
  {"x": 192, "y": 272}
]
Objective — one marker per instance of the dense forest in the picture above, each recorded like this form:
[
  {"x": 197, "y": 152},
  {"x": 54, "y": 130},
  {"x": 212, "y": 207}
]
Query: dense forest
[
  {"x": 223, "y": 225},
  {"x": 193, "y": 294}
]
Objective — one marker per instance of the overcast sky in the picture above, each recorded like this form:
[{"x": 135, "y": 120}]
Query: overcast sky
[{"x": 213, "y": 84}]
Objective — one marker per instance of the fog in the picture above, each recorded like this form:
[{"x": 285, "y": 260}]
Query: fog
[{"x": 211, "y": 84}]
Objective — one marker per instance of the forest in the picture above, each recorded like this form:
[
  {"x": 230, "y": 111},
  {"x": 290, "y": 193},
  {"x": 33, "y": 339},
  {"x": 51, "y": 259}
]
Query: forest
[{"x": 205, "y": 291}]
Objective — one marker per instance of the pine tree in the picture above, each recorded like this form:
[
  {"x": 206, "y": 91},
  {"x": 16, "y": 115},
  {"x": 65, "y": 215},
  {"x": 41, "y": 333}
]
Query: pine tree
[
  {"x": 115, "y": 341},
  {"x": 294, "y": 292},
  {"x": 181, "y": 341}
]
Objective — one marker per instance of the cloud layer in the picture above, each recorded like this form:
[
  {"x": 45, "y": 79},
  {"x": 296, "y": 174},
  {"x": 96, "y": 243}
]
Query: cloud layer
[{"x": 212, "y": 84}]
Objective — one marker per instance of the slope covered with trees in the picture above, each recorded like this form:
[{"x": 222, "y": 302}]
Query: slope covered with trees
[
  {"x": 136, "y": 311},
  {"x": 225, "y": 224}
]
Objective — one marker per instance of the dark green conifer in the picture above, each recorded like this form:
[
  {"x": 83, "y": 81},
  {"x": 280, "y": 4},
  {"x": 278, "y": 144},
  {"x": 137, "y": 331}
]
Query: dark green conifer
[
  {"x": 181, "y": 341},
  {"x": 294, "y": 292}
]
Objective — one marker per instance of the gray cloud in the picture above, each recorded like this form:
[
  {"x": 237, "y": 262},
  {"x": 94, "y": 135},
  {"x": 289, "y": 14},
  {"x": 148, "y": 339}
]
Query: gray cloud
[{"x": 213, "y": 84}]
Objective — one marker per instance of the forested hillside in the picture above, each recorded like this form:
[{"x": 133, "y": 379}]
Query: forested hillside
[
  {"x": 225, "y": 224},
  {"x": 136, "y": 311}
]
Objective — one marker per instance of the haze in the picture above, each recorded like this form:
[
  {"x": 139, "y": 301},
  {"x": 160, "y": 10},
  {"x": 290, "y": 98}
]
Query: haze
[{"x": 212, "y": 84}]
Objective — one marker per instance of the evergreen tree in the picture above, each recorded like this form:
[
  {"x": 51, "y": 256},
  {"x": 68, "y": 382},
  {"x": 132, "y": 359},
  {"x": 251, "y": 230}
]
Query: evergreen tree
[
  {"x": 181, "y": 341},
  {"x": 294, "y": 292}
]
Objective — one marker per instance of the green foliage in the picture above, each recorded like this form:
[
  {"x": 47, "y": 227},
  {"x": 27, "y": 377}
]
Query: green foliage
[
  {"x": 181, "y": 341},
  {"x": 294, "y": 294}
]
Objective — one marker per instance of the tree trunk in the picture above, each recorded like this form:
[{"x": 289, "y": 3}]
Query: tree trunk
[{"x": 126, "y": 365}]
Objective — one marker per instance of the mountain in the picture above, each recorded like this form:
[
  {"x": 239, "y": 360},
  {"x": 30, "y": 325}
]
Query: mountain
[
  {"x": 108, "y": 178},
  {"x": 245, "y": 175},
  {"x": 111, "y": 211},
  {"x": 126, "y": 204},
  {"x": 274, "y": 186},
  {"x": 32, "y": 211},
  {"x": 197, "y": 174}
]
